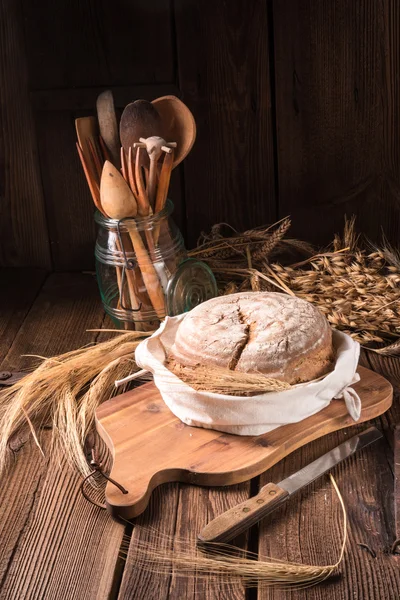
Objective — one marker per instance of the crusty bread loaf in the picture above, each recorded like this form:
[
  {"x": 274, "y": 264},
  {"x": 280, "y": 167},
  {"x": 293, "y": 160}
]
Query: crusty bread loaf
[{"x": 276, "y": 334}]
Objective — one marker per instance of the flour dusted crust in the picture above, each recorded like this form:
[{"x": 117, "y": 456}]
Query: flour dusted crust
[{"x": 275, "y": 334}]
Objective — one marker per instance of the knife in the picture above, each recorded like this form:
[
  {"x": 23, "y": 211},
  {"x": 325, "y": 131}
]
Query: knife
[{"x": 239, "y": 518}]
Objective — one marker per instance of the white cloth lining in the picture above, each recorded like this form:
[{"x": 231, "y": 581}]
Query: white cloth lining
[{"x": 254, "y": 415}]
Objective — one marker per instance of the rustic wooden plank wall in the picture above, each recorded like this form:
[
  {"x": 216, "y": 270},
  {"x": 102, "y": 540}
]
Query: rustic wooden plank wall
[
  {"x": 23, "y": 230},
  {"x": 296, "y": 104},
  {"x": 223, "y": 60},
  {"x": 337, "y": 114}
]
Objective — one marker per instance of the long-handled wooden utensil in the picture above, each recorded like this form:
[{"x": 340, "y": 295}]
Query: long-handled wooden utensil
[
  {"x": 162, "y": 190},
  {"x": 95, "y": 192},
  {"x": 164, "y": 179},
  {"x": 131, "y": 170},
  {"x": 119, "y": 203},
  {"x": 116, "y": 197},
  {"x": 87, "y": 129},
  {"x": 178, "y": 125},
  {"x": 155, "y": 146},
  {"x": 143, "y": 199},
  {"x": 139, "y": 119},
  {"x": 132, "y": 180},
  {"x": 90, "y": 178},
  {"x": 108, "y": 125}
]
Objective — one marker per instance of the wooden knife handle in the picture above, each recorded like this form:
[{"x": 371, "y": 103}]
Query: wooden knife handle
[
  {"x": 239, "y": 518},
  {"x": 397, "y": 484}
]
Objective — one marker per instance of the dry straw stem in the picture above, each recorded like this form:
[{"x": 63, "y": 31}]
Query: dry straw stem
[
  {"x": 359, "y": 292},
  {"x": 63, "y": 393},
  {"x": 224, "y": 381},
  {"x": 350, "y": 238},
  {"x": 166, "y": 556},
  {"x": 273, "y": 239},
  {"x": 262, "y": 243},
  {"x": 357, "y": 288}
]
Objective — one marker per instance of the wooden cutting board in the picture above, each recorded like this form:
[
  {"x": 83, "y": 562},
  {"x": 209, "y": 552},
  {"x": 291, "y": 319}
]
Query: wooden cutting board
[{"x": 151, "y": 446}]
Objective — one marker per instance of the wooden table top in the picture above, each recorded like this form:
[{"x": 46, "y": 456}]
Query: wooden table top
[{"x": 55, "y": 545}]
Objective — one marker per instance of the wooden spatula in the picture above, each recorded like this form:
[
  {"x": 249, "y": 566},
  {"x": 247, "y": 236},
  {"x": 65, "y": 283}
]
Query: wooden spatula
[
  {"x": 87, "y": 129},
  {"x": 108, "y": 125},
  {"x": 91, "y": 180}
]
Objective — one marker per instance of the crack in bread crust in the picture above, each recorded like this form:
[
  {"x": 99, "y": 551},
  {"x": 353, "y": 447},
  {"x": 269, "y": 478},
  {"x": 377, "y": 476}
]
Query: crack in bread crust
[
  {"x": 265, "y": 332},
  {"x": 237, "y": 353}
]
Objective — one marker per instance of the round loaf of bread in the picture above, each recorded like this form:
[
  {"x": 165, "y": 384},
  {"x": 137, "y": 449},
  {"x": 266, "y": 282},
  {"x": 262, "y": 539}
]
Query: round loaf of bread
[{"x": 266, "y": 332}]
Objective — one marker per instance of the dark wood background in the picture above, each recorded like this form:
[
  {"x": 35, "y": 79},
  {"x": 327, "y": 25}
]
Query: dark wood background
[{"x": 296, "y": 103}]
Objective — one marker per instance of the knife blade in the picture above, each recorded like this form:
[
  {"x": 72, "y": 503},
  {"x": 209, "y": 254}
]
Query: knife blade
[{"x": 239, "y": 518}]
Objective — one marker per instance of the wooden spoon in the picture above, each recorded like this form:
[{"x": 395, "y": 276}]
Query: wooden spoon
[
  {"x": 116, "y": 197},
  {"x": 132, "y": 276},
  {"x": 178, "y": 125},
  {"x": 108, "y": 125},
  {"x": 119, "y": 203},
  {"x": 139, "y": 119}
]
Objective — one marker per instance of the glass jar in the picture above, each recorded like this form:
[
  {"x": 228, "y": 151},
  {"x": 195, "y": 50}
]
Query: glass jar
[{"x": 144, "y": 273}]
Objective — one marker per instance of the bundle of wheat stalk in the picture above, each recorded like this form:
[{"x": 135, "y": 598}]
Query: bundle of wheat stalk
[
  {"x": 223, "y": 563},
  {"x": 355, "y": 285},
  {"x": 63, "y": 393},
  {"x": 224, "y": 381},
  {"x": 240, "y": 251},
  {"x": 358, "y": 290}
]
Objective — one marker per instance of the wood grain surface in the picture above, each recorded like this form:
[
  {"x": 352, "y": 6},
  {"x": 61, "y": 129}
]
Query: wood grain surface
[
  {"x": 23, "y": 229},
  {"x": 19, "y": 289},
  {"x": 337, "y": 118},
  {"x": 113, "y": 43},
  {"x": 388, "y": 366},
  {"x": 309, "y": 528},
  {"x": 169, "y": 513},
  {"x": 56, "y": 546},
  {"x": 69, "y": 205},
  {"x": 54, "y": 543},
  {"x": 295, "y": 101},
  {"x": 17, "y": 497},
  {"x": 229, "y": 175},
  {"x": 138, "y": 424}
]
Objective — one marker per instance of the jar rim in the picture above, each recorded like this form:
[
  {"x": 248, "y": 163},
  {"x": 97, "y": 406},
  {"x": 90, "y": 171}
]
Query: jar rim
[{"x": 140, "y": 222}]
